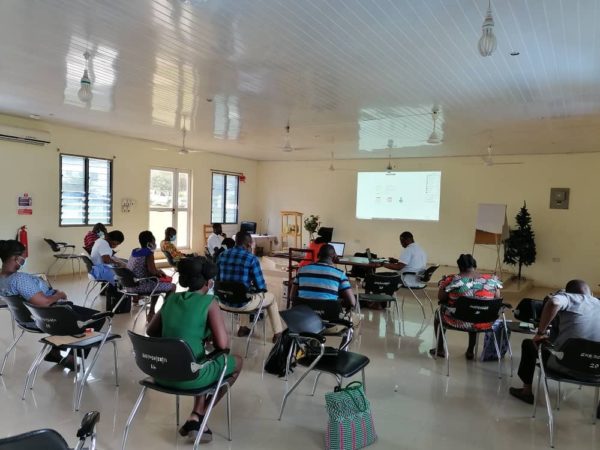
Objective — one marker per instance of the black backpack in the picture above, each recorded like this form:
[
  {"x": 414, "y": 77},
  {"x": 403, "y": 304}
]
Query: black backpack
[{"x": 276, "y": 361}]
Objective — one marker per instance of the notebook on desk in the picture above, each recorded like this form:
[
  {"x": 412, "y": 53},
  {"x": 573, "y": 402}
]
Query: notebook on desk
[{"x": 339, "y": 248}]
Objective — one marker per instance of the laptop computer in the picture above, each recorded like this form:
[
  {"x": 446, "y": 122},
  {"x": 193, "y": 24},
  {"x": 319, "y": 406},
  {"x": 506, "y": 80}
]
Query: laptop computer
[{"x": 339, "y": 248}]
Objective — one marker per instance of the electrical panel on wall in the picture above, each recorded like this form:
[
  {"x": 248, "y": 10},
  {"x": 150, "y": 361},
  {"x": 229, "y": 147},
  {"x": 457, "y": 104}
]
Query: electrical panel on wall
[{"x": 559, "y": 198}]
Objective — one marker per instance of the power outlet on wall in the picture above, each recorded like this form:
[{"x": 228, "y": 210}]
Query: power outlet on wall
[{"x": 555, "y": 259}]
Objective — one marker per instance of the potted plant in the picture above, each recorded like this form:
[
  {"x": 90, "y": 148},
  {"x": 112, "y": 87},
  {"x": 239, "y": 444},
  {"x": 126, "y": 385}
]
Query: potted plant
[
  {"x": 519, "y": 248},
  {"x": 311, "y": 224}
]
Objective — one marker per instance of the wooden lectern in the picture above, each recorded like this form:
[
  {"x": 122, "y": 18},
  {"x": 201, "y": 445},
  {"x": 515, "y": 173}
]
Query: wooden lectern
[{"x": 491, "y": 229}]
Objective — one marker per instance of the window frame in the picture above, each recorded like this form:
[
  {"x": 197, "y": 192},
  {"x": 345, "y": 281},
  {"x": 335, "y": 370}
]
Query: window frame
[
  {"x": 87, "y": 186},
  {"x": 224, "y": 210}
]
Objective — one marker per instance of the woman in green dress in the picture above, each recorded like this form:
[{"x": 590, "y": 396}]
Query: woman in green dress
[{"x": 193, "y": 316}]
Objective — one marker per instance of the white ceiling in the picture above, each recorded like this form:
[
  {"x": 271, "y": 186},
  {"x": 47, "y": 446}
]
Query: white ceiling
[{"x": 348, "y": 74}]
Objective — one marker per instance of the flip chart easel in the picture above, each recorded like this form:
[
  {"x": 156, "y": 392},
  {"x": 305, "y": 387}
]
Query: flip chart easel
[{"x": 491, "y": 229}]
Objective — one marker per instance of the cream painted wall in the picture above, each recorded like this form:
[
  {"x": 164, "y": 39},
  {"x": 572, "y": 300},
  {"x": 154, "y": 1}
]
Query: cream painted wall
[
  {"x": 34, "y": 170},
  {"x": 569, "y": 235}
]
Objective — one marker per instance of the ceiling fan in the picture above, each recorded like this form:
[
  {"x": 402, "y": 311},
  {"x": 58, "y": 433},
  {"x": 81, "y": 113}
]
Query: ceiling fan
[
  {"x": 332, "y": 168},
  {"x": 488, "y": 160},
  {"x": 287, "y": 142},
  {"x": 183, "y": 150}
]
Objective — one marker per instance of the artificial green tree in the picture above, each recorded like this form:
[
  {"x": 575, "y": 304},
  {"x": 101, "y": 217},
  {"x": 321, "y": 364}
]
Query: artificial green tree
[{"x": 519, "y": 248}]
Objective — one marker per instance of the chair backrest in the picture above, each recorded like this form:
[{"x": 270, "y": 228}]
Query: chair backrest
[
  {"x": 125, "y": 277},
  {"x": 35, "y": 440},
  {"x": 382, "y": 283},
  {"x": 168, "y": 359},
  {"x": 426, "y": 275},
  {"x": 89, "y": 265},
  {"x": 360, "y": 271},
  {"x": 302, "y": 319},
  {"x": 59, "y": 320},
  {"x": 580, "y": 358},
  {"x": 476, "y": 310},
  {"x": 17, "y": 307},
  {"x": 53, "y": 245},
  {"x": 231, "y": 292},
  {"x": 326, "y": 309},
  {"x": 170, "y": 259}
]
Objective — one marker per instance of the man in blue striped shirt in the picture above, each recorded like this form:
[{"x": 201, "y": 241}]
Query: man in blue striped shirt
[
  {"x": 323, "y": 281},
  {"x": 240, "y": 265}
]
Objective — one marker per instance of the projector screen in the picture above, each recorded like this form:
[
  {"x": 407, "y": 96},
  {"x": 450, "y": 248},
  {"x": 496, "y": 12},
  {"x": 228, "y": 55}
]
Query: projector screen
[{"x": 398, "y": 195}]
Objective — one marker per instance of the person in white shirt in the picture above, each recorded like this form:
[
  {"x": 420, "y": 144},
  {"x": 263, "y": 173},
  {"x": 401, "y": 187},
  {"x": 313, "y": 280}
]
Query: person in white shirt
[
  {"x": 103, "y": 258},
  {"x": 215, "y": 240},
  {"x": 412, "y": 259}
]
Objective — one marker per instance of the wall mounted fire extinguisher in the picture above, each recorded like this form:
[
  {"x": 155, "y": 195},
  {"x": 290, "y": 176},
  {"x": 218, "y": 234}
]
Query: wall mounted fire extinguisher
[{"x": 22, "y": 238}]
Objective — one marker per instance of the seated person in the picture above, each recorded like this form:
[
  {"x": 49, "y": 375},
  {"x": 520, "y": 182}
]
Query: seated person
[
  {"x": 579, "y": 315},
  {"x": 215, "y": 240},
  {"x": 240, "y": 265},
  {"x": 315, "y": 245},
  {"x": 168, "y": 246},
  {"x": 141, "y": 263},
  {"x": 225, "y": 245},
  {"x": 467, "y": 283},
  {"x": 193, "y": 316},
  {"x": 33, "y": 289},
  {"x": 323, "y": 281},
  {"x": 99, "y": 231},
  {"x": 412, "y": 259},
  {"x": 102, "y": 256}
]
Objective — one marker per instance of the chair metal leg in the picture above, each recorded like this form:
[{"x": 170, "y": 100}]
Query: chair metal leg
[
  {"x": 114, "y": 343},
  {"x": 32, "y": 368},
  {"x": 558, "y": 397},
  {"x": 498, "y": 355},
  {"x": 177, "y": 410},
  {"x": 37, "y": 368},
  {"x": 210, "y": 405},
  {"x": 537, "y": 393},
  {"x": 256, "y": 316},
  {"x": 549, "y": 410},
  {"x": 364, "y": 380},
  {"x": 10, "y": 349},
  {"x": 289, "y": 360},
  {"x": 50, "y": 267},
  {"x": 138, "y": 402},
  {"x": 510, "y": 353},
  {"x": 418, "y": 300},
  {"x": 228, "y": 412},
  {"x": 297, "y": 383},
  {"x": 429, "y": 299},
  {"x": 87, "y": 372},
  {"x": 594, "y": 408},
  {"x": 12, "y": 324},
  {"x": 396, "y": 307},
  {"x": 315, "y": 383}
]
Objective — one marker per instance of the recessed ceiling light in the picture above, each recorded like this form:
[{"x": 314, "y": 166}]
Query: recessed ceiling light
[
  {"x": 35, "y": 116},
  {"x": 515, "y": 53}
]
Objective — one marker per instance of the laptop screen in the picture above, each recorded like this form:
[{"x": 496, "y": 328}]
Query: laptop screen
[{"x": 339, "y": 248}]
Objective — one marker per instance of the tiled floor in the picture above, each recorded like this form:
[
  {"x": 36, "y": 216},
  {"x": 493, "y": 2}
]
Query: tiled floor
[{"x": 414, "y": 404}]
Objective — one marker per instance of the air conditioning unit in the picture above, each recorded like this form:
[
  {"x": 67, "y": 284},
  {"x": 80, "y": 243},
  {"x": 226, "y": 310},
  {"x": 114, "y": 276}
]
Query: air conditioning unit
[{"x": 34, "y": 137}]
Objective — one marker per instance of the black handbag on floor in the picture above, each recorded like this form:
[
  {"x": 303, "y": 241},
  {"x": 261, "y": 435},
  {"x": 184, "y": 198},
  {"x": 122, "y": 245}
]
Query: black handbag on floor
[{"x": 112, "y": 298}]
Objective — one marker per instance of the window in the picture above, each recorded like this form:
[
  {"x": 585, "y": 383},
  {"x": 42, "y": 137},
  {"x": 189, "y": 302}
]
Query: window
[
  {"x": 85, "y": 190},
  {"x": 224, "y": 205}
]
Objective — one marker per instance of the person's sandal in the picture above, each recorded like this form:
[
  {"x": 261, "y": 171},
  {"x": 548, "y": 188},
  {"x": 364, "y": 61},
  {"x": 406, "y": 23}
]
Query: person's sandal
[{"x": 192, "y": 427}]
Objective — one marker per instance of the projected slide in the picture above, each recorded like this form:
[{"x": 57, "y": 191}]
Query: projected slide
[{"x": 398, "y": 195}]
